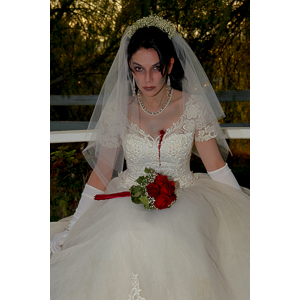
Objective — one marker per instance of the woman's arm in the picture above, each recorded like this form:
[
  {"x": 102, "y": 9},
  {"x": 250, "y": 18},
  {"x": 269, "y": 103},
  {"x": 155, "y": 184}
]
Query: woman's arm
[
  {"x": 210, "y": 155},
  {"x": 95, "y": 182},
  {"x": 94, "y": 186},
  {"x": 215, "y": 166},
  {"x": 105, "y": 167},
  {"x": 86, "y": 200}
]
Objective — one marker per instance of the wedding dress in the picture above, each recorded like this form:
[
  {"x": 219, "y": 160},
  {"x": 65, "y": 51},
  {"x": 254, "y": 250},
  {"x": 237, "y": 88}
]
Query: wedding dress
[{"x": 196, "y": 249}]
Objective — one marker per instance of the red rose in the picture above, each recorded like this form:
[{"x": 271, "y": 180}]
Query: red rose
[
  {"x": 153, "y": 189},
  {"x": 164, "y": 201},
  {"x": 161, "y": 179},
  {"x": 168, "y": 188}
]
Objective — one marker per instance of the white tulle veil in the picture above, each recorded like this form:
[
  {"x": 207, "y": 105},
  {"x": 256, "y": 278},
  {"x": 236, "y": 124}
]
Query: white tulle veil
[{"x": 116, "y": 108}]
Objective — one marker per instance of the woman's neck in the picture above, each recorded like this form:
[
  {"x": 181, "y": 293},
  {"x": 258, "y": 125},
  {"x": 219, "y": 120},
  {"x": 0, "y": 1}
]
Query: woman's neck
[{"x": 156, "y": 101}]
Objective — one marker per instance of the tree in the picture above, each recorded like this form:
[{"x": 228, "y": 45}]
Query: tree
[{"x": 85, "y": 37}]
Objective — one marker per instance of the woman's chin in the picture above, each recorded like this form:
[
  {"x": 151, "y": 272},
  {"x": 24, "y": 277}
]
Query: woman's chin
[
  {"x": 148, "y": 92},
  {"x": 151, "y": 92}
]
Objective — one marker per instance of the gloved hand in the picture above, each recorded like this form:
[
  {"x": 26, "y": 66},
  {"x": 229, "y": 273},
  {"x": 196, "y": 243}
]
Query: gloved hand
[
  {"x": 57, "y": 241},
  {"x": 224, "y": 175},
  {"x": 87, "y": 199}
]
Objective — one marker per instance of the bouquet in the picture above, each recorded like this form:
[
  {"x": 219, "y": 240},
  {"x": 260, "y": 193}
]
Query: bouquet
[{"x": 154, "y": 190}]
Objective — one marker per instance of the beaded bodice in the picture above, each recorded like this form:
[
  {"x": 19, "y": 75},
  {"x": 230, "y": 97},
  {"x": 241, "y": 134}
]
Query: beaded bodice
[{"x": 141, "y": 149}]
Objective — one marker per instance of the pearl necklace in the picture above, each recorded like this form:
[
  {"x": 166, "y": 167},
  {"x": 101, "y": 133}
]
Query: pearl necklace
[{"x": 170, "y": 92}]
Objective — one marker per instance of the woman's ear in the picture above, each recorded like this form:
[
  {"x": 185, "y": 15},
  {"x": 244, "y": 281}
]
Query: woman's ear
[{"x": 170, "y": 65}]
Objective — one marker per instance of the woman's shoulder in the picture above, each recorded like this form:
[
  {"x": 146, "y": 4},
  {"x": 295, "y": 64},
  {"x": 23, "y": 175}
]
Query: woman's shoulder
[{"x": 179, "y": 96}]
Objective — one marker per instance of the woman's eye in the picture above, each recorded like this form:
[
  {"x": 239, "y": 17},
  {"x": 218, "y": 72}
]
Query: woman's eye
[
  {"x": 157, "y": 69},
  {"x": 138, "y": 69}
]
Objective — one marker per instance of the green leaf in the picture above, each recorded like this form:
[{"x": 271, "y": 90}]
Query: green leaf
[
  {"x": 148, "y": 171},
  {"x": 135, "y": 200},
  {"x": 145, "y": 201},
  {"x": 137, "y": 194},
  {"x": 136, "y": 189},
  {"x": 140, "y": 179},
  {"x": 132, "y": 189}
]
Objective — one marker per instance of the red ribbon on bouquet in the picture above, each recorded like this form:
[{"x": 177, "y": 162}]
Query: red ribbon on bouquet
[{"x": 111, "y": 196}]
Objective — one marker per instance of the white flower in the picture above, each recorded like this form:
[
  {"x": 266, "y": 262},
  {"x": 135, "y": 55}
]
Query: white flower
[{"x": 155, "y": 21}]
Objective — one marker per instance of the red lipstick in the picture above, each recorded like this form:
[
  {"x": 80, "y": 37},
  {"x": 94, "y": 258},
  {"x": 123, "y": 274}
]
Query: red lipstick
[{"x": 148, "y": 88}]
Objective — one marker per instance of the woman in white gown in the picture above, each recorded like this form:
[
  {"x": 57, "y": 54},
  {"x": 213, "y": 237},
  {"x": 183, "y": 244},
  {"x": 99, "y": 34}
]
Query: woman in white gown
[{"x": 115, "y": 249}]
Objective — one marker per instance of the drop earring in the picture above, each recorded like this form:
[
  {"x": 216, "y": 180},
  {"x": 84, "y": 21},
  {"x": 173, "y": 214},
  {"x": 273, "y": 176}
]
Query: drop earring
[
  {"x": 168, "y": 82},
  {"x": 168, "y": 87},
  {"x": 133, "y": 87}
]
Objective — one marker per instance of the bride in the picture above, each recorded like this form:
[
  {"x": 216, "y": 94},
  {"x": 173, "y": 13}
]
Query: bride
[{"x": 155, "y": 108}]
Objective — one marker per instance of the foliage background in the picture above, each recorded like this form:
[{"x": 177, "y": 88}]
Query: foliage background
[{"x": 85, "y": 36}]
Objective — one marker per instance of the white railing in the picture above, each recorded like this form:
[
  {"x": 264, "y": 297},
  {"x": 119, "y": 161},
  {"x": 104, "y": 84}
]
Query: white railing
[{"x": 69, "y": 132}]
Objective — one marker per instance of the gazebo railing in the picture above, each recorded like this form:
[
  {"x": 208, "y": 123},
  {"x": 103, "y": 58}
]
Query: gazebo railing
[{"x": 76, "y": 131}]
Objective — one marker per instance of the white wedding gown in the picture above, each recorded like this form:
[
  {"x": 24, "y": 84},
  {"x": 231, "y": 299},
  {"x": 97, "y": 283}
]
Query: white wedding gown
[{"x": 197, "y": 249}]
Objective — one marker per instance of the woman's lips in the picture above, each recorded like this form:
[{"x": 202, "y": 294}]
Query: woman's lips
[{"x": 148, "y": 88}]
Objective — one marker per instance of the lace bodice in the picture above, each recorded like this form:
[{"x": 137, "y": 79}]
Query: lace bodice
[{"x": 141, "y": 149}]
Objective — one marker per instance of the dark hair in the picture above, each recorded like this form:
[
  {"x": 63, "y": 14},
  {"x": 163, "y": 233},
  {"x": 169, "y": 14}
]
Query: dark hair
[{"x": 154, "y": 38}]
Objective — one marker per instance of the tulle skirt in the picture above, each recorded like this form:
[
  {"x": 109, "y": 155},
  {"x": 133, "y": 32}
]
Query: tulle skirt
[{"x": 197, "y": 249}]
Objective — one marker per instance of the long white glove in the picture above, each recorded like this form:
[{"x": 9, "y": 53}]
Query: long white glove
[
  {"x": 87, "y": 199},
  {"x": 224, "y": 175}
]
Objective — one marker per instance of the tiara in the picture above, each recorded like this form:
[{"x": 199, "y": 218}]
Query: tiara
[{"x": 153, "y": 20}]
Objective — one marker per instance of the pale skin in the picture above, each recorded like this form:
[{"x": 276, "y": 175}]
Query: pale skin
[{"x": 152, "y": 86}]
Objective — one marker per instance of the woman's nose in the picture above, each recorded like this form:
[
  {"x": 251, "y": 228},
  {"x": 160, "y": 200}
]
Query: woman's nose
[{"x": 148, "y": 76}]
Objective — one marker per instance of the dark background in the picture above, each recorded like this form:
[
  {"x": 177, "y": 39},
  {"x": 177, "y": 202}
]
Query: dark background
[{"x": 85, "y": 37}]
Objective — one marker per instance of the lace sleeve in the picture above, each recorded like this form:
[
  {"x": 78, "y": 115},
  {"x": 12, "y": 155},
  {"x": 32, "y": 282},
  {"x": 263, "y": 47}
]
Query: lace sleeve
[
  {"x": 108, "y": 133},
  {"x": 197, "y": 110}
]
